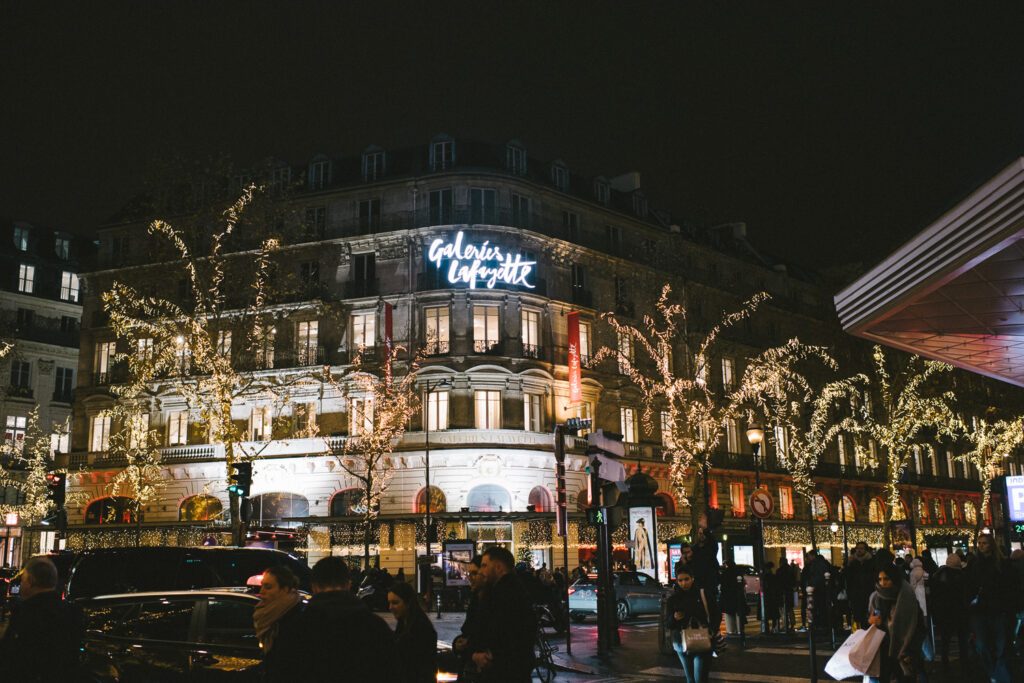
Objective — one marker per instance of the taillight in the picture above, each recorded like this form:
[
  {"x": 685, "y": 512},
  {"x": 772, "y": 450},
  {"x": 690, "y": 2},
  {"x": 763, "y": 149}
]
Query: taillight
[{"x": 571, "y": 591}]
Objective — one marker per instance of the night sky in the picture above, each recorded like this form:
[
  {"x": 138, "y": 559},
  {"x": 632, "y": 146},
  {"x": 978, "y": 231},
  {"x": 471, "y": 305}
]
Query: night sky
[{"x": 835, "y": 131}]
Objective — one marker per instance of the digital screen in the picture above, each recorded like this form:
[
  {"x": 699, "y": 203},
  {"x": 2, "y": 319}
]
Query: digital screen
[{"x": 1015, "y": 498}]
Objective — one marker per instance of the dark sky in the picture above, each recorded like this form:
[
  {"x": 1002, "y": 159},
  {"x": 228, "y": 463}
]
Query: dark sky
[{"x": 835, "y": 131}]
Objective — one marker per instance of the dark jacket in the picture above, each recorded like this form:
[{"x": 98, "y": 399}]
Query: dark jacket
[
  {"x": 508, "y": 628},
  {"x": 948, "y": 595},
  {"x": 337, "y": 637},
  {"x": 42, "y": 640},
  {"x": 991, "y": 586},
  {"x": 472, "y": 624},
  {"x": 274, "y": 668},
  {"x": 860, "y": 584},
  {"x": 733, "y": 597},
  {"x": 690, "y": 604},
  {"x": 416, "y": 650}
]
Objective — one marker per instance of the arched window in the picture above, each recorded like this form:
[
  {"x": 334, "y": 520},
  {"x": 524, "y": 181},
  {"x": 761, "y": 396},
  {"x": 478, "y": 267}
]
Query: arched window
[
  {"x": 665, "y": 505},
  {"x": 900, "y": 513},
  {"x": 541, "y": 500},
  {"x": 438, "y": 501},
  {"x": 954, "y": 512},
  {"x": 846, "y": 511},
  {"x": 938, "y": 511},
  {"x": 970, "y": 513},
  {"x": 876, "y": 511},
  {"x": 111, "y": 510},
  {"x": 200, "y": 508},
  {"x": 923, "y": 511},
  {"x": 347, "y": 502},
  {"x": 489, "y": 498},
  {"x": 819, "y": 507},
  {"x": 271, "y": 509}
]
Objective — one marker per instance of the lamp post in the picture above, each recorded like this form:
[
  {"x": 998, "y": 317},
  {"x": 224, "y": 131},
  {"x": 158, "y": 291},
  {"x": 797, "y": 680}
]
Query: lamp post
[
  {"x": 755, "y": 435},
  {"x": 842, "y": 513},
  {"x": 430, "y": 387}
]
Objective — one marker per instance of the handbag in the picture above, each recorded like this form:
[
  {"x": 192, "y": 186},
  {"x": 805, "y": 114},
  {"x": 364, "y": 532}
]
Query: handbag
[
  {"x": 695, "y": 639},
  {"x": 865, "y": 656}
]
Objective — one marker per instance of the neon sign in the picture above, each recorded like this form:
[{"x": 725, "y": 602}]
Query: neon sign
[{"x": 480, "y": 264}]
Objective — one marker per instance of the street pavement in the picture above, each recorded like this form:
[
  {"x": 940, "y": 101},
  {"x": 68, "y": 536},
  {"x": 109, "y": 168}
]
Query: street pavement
[{"x": 763, "y": 659}]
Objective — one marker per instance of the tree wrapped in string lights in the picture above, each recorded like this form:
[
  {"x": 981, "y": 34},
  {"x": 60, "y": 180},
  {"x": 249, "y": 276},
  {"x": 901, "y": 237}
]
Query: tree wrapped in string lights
[
  {"x": 24, "y": 470},
  {"x": 694, "y": 410},
  {"x": 991, "y": 443},
  {"x": 380, "y": 407},
  {"x": 209, "y": 343},
  {"x": 141, "y": 478}
]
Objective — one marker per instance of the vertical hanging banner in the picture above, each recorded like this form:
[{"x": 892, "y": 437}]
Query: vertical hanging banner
[
  {"x": 389, "y": 344},
  {"x": 575, "y": 375}
]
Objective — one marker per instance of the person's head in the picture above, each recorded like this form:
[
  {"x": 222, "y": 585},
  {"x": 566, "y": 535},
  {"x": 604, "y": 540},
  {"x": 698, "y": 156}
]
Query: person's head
[
  {"x": 277, "y": 581},
  {"x": 891, "y": 576},
  {"x": 402, "y": 601},
  {"x": 686, "y": 553},
  {"x": 953, "y": 560},
  {"x": 684, "y": 578},
  {"x": 1017, "y": 555},
  {"x": 768, "y": 566},
  {"x": 476, "y": 579},
  {"x": 496, "y": 563},
  {"x": 986, "y": 545},
  {"x": 640, "y": 522},
  {"x": 38, "y": 576},
  {"x": 331, "y": 574},
  {"x": 861, "y": 551}
]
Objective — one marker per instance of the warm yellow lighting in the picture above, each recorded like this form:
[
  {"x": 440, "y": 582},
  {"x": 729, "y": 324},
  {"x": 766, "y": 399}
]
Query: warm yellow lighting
[{"x": 755, "y": 434}]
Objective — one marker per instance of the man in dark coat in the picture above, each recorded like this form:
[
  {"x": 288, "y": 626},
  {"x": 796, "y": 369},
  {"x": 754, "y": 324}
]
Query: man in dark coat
[
  {"x": 860, "y": 577},
  {"x": 705, "y": 571},
  {"x": 43, "y": 639},
  {"x": 503, "y": 649},
  {"x": 337, "y": 632},
  {"x": 813, "y": 576}
]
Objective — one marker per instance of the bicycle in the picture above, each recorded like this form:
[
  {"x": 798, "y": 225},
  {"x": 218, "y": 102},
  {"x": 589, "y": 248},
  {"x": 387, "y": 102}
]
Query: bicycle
[{"x": 543, "y": 660}]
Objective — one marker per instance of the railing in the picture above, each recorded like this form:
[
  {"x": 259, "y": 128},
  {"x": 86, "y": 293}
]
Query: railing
[
  {"x": 532, "y": 351},
  {"x": 191, "y": 453},
  {"x": 18, "y": 391},
  {"x": 444, "y": 214},
  {"x": 490, "y": 348},
  {"x": 40, "y": 329},
  {"x": 437, "y": 348}
]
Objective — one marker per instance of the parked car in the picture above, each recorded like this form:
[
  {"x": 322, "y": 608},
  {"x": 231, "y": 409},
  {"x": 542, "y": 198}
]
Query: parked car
[
  {"x": 159, "y": 637},
  {"x": 635, "y": 594},
  {"x": 109, "y": 571}
]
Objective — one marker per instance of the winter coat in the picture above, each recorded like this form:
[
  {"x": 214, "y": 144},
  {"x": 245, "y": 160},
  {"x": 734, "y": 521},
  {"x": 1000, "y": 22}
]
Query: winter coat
[
  {"x": 902, "y": 621},
  {"x": 991, "y": 586},
  {"x": 917, "y": 578},
  {"x": 508, "y": 628},
  {"x": 42, "y": 640},
  {"x": 416, "y": 650},
  {"x": 860, "y": 584},
  {"x": 690, "y": 604},
  {"x": 337, "y": 632},
  {"x": 274, "y": 669},
  {"x": 772, "y": 595},
  {"x": 949, "y": 595},
  {"x": 472, "y": 624},
  {"x": 733, "y": 600}
]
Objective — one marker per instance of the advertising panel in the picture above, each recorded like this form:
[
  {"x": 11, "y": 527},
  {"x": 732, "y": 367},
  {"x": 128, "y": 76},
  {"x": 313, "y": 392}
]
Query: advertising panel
[
  {"x": 1015, "y": 498},
  {"x": 457, "y": 557},
  {"x": 643, "y": 536}
]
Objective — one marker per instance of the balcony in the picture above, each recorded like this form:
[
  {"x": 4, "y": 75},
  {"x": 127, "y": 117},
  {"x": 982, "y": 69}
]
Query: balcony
[
  {"x": 40, "y": 329},
  {"x": 488, "y": 348},
  {"x": 437, "y": 348},
  {"x": 533, "y": 351},
  {"x": 18, "y": 391}
]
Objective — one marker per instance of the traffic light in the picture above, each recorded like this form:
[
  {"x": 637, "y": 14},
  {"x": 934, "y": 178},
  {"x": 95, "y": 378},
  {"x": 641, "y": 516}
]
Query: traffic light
[
  {"x": 55, "y": 491},
  {"x": 241, "y": 479}
]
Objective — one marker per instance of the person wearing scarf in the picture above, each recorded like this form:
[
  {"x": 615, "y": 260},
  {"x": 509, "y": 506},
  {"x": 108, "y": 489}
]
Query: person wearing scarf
[
  {"x": 687, "y": 606},
  {"x": 280, "y": 603},
  {"x": 893, "y": 609},
  {"x": 415, "y": 636}
]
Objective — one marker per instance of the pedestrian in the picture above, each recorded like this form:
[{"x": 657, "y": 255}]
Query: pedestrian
[
  {"x": 705, "y": 571},
  {"x": 688, "y": 608},
  {"x": 1017, "y": 562},
  {"x": 992, "y": 600},
  {"x": 415, "y": 637},
  {"x": 44, "y": 636},
  {"x": 685, "y": 557},
  {"x": 813, "y": 576},
  {"x": 860, "y": 578},
  {"x": 786, "y": 585},
  {"x": 463, "y": 643},
  {"x": 400, "y": 576},
  {"x": 949, "y": 606},
  {"x": 503, "y": 651},
  {"x": 928, "y": 562},
  {"x": 772, "y": 597},
  {"x": 336, "y": 629},
  {"x": 893, "y": 609},
  {"x": 732, "y": 601},
  {"x": 274, "y": 618}
]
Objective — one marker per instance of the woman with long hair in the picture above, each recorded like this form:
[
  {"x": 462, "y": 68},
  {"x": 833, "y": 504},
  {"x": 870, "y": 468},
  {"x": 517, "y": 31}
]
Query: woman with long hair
[
  {"x": 688, "y": 608},
  {"x": 274, "y": 617},
  {"x": 893, "y": 608},
  {"x": 415, "y": 637}
]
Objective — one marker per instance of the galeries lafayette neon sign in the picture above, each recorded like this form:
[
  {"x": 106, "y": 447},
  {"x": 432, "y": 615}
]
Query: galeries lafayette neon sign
[{"x": 480, "y": 264}]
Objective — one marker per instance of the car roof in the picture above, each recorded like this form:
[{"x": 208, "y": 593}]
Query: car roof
[{"x": 199, "y": 592}]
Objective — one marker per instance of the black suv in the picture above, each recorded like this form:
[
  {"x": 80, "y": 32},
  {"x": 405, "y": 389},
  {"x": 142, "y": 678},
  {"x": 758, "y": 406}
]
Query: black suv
[{"x": 110, "y": 571}]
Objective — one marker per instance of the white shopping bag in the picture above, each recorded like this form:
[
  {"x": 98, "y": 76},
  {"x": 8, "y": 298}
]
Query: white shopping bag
[
  {"x": 865, "y": 656},
  {"x": 839, "y": 666}
]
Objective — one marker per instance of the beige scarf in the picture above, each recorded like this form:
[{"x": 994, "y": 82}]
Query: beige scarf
[{"x": 267, "y": 614}]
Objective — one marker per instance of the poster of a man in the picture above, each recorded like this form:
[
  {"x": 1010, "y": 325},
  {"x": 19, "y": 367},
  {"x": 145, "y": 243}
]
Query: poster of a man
[{"x": 643, "y": 537}]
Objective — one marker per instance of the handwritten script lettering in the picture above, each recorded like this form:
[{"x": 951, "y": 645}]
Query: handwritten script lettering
[{"x": 480, "y": 264}]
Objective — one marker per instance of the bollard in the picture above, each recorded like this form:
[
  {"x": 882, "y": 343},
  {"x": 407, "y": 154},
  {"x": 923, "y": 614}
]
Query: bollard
[
  {"x": 810, "y": 634},
  {"x": 828, "y": 608},
  {"x": 438, "y": 604},
  {"x": 740, "y": 619},
  {"x": 664, "y": 634}
]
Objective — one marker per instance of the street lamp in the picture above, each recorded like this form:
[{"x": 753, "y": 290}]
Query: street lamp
[
  {"x": 755, "y": 435},
  {"x": 431, "y": 386}
]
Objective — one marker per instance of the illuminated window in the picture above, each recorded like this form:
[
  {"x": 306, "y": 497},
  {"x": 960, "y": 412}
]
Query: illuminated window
[
  {"x": 144, "y": 349},
  {"x": 488, "y": 409},
  {"x": 950, "y": 465},
  {"x": 26, "y": 278},
  {"x": 14, "y": 432},
  {"x": 666, "y": 430},
  {"x": 847, "y": 510},
  {"x": 585, "y": 411},
  {"x": 224, "y": 343},
  {"x": 306, "y": 342},
  {"x": 728, "y": 372},
  {"x": 841, "y": 445},
  {"x": 489, "y": 498},
  {"x": 713, "y": 493},
  {"x": 201, "y": 508},
  {"x": 177, "y": 428},
  {"x": 21, "y": 238},
  {"x": 104, "y": 361},
  {"x": 585, "y": 333},
  {"x": 819, "y": 507},
  {"x": 541, "y": 500},
  {"x": 627, "y": 420},
  {"x": 732, "y": 436},
  {"x": 532, "y": 413},
  {"x": 69, "y": 287},
  {"x": 737, "y": 500},
  {"x": 360, "y": 416},
  {"x": 347, "y": 502},
  {"x": 138, "y": 431},
  {"x": 530, "y": 322},
  {"x": 625, "y": 354},
  {"x": 260, "y": 423},
  {"x": 99, "y": 433},
  {"x": 485, "y": 328},
  {"x": 781, "y": 441},
  {"x": 786, "y": 502},
  {"x": 900, "y": 511},
  {"x": 438, "y": 501},
  {"x": 917, "y": 459},
  {"x": 970, "y": 513},
  {"x": 364, "y": 331},
  {"x": 876, "y": 511},
  {"x": 111, "y": 510},
  {"x": 437, "y": 410}
]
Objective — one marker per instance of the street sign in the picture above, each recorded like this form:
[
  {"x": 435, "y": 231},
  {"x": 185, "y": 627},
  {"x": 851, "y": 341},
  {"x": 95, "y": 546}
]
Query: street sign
[{"x": 761, "y": 503}]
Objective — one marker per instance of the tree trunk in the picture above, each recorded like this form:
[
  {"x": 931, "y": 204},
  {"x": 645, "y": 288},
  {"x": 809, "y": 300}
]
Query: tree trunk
[
  {"x": 138, "y": 524},
  {"x": 367, "y": 525}
]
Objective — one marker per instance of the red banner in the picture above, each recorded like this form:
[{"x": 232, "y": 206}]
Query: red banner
[
  {"x": 575, "y": 374},
  {"x": 389, "y": 343}
]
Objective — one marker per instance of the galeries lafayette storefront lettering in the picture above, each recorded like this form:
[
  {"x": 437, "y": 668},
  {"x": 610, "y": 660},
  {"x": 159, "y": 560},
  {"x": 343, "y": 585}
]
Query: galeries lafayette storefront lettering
[{"x": 483, "y": 264}]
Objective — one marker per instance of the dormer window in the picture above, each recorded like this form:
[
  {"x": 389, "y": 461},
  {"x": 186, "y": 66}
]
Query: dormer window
[
  {"x": 560, "y": 176},
  {"x": 279, "y": 178},
  {"x": 21, "y": 238},
  {"x": 442, "y": 153},
  {"x": 319, "y": 172},
  {"x": 373, "y": 163},
  {"x": 602, "y": 191},
  {"x": 62, "y": 247},
  {"x": 515, "y": 158},
  {"x": 639, "y": 204}
]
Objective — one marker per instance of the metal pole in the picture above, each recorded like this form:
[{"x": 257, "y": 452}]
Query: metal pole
[
  {"x": 810, "y": 634},
  {"x": 828, "y": 608},
  {"x": 739, "y": 612},
  {"x": 560, "y": 449},
  {"x": 842, "y": 515},
  {"x": 760, "y": 541}
]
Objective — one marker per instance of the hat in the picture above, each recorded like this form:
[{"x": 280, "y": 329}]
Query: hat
[{"x": 954, "y": 561}]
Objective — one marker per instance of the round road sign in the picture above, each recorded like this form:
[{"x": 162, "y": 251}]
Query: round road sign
[{"x": 761, "y": 503}]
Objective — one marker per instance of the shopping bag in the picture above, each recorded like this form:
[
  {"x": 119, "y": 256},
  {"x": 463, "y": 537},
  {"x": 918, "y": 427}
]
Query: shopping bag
[
  {"x": 696, "y": 640},
  {"x": 866, "y": 653},
  {"x": 839, "y": 666}
]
